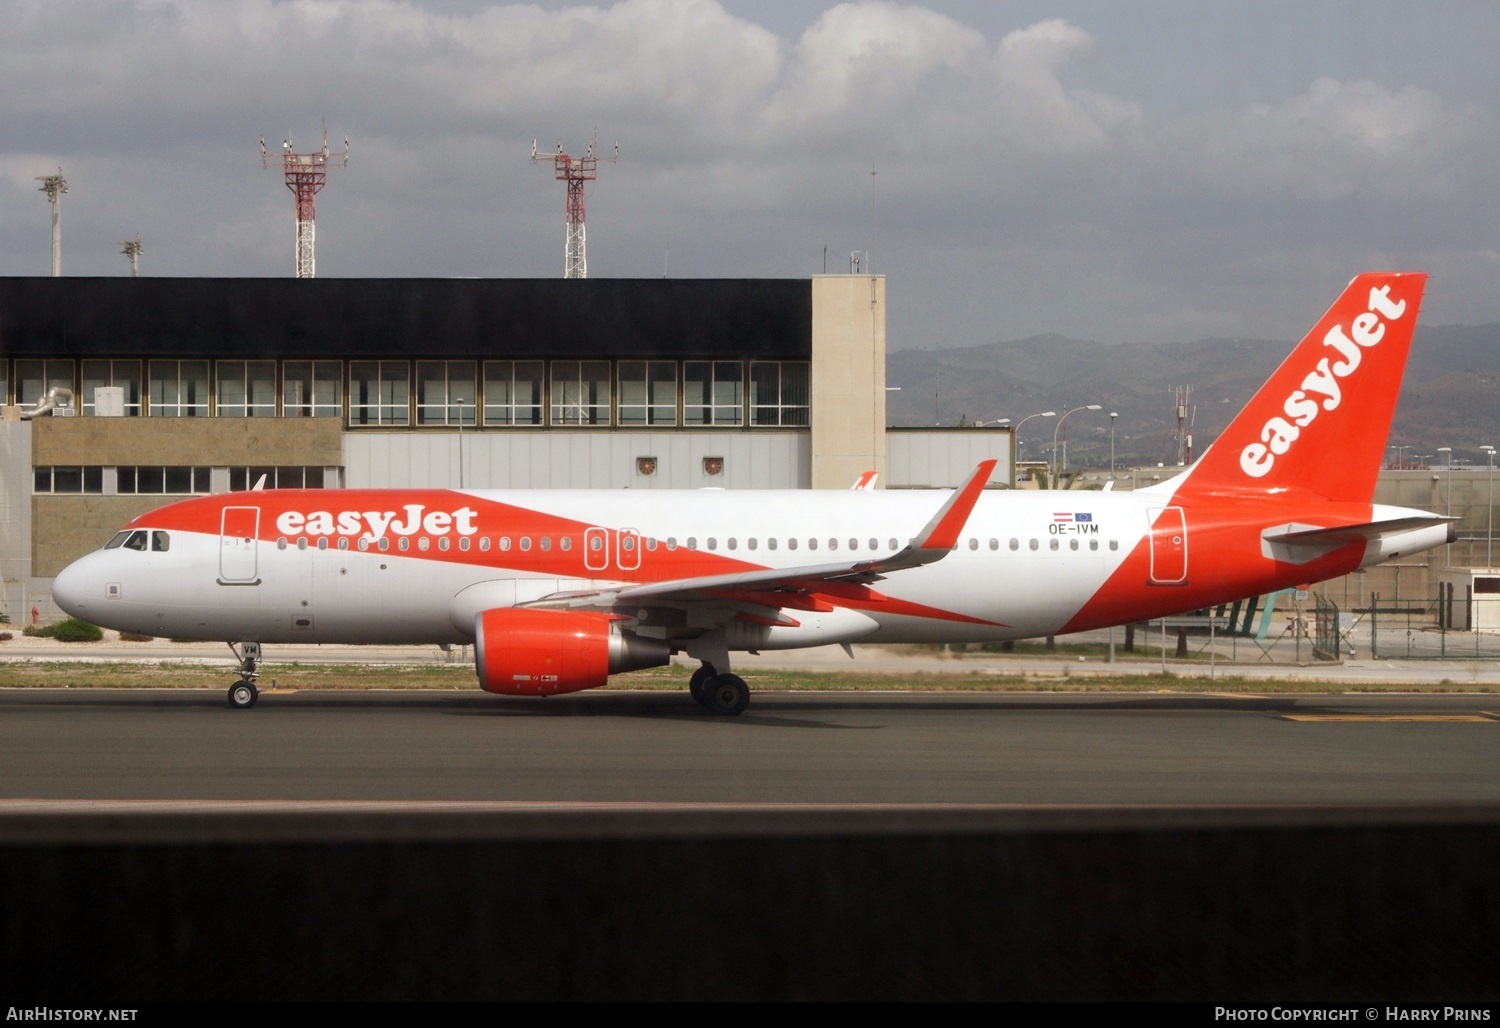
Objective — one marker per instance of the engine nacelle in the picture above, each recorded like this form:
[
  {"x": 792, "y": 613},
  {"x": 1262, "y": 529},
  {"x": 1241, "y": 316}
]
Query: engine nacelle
[{"x": 526, "y": 652}]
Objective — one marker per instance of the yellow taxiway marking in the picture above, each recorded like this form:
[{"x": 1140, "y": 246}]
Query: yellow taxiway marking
[{"x": 1390, "y": 717}]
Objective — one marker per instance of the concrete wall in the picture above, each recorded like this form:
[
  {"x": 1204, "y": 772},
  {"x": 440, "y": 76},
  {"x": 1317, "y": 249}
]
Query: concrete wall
[
  {"x": 560, "y": 459},
  {"x": 848, "y": 379},
  {"x": 15, "y": 519},
  {"x": 187, "y": 441}
]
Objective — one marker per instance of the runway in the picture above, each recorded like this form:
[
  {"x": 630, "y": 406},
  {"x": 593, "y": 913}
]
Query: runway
[
  {"x": 789, "y": 748},
  {"x": 618, "y": 845}
]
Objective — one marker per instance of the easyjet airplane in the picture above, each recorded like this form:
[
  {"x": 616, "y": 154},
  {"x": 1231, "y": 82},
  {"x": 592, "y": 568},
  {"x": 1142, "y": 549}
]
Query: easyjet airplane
[{"x": 558, "y": 590}]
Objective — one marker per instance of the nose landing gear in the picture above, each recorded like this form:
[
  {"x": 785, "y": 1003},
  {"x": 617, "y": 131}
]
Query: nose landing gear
[{"x": 243, "y": 693}]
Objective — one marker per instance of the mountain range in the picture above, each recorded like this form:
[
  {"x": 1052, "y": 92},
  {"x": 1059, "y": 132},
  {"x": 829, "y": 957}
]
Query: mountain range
[{"x": 1450, "y": 396}]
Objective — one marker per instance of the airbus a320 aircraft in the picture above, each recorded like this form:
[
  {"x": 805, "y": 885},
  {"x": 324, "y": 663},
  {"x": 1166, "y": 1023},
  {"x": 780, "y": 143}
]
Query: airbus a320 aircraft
[{"x": 558, "y": 590}]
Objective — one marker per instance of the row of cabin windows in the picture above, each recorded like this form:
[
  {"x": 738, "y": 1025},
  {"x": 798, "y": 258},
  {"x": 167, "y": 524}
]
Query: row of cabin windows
[
  {"x": 463, "y": 393},
  {"x": 160, "y": 541},
  {"x": 627, "y": 543}
]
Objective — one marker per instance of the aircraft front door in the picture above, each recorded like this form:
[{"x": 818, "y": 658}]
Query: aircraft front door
[
  {"x": 238, "y": 530},
  {"x": 1168, "y": 546}
]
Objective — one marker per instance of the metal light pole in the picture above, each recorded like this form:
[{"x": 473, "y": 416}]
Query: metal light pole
[
  {"x": 1489, "y": 526},
  {"x": 1112, "y": 415},
  {"x": 458, "y": 401},
  {"x": 1015, "y": 433},
  {"x": 1052, "y": 468},
  {"x": 1447, "y": 452}
]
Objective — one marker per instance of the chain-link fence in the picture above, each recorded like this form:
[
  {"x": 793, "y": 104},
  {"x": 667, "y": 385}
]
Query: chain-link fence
[{"x": 1435, "y": 629}]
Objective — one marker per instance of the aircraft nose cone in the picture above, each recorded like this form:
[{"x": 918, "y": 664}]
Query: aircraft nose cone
[{"x": 70, "y": 589}]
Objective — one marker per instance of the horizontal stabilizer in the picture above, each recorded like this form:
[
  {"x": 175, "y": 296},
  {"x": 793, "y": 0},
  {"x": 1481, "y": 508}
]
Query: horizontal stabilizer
[
  {"x": 1383, "y": 540},
  {"x": 1369, "y": 530}
]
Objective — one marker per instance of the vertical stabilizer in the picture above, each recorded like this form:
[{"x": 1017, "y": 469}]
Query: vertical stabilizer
[{"x": 1321, "y": 421}]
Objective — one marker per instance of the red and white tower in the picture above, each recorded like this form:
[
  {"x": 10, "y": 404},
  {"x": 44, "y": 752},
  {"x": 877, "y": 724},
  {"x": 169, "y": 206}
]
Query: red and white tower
[
  {"x": 306, "y": 174},
  {"x": 575, "y": 171}
]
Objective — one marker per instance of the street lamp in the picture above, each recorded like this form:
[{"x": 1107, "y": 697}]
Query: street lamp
[
  {"x": 1489, "y": 527},
  {"x": 1015, "y": 433},
  {"x": 1447, "y": 452},
  {"x": 1052, "y": 468},
  {"x": 458, "y": 401},
  {"x": 1112, "y": 415}
]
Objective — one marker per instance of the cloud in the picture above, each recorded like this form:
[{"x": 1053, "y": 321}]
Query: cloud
[
  {"x": 1029, "y": 174},
  {"x": 1336, "y": 139}
]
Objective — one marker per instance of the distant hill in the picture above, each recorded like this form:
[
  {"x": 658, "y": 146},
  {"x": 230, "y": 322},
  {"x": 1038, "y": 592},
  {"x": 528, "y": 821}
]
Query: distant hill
[{"x": 1450, "y": 397}]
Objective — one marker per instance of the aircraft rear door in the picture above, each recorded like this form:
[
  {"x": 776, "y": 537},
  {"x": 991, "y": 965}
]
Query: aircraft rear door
[
  {"x": 1168, "y": 546},
  {"x": 238, "y": 531}
]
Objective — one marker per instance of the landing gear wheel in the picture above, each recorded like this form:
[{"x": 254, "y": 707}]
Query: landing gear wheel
[
  {"x": 243, "y": 694},
  {"x": 727, "y": 695},
  {"x": 698, "y": 684}
]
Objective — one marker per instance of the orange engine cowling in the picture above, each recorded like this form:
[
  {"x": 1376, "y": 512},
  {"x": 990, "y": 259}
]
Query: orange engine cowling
[{"x": 526, "y": 652}]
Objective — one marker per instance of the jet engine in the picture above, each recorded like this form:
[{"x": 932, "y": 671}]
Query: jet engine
[{"x": 527, "y": 652}]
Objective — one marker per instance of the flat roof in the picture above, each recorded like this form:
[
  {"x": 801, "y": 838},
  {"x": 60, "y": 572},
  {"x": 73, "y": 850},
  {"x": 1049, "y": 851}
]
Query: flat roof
[{"x": 404, "y": 318}]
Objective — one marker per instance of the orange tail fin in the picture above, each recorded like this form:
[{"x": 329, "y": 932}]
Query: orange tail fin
[{"x": 1322, "y": 419}]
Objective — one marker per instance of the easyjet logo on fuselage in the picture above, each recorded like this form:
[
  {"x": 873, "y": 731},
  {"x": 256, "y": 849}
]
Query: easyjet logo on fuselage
[
  {"x": 411, "y": 519},
  {"x": 1320, "y": 389}
]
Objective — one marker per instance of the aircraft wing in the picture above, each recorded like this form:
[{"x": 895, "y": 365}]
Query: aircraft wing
[{"x": 768, "y": 587}]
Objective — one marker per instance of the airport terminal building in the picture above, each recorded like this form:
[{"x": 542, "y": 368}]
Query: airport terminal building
[{"x": 166, "y": 387}]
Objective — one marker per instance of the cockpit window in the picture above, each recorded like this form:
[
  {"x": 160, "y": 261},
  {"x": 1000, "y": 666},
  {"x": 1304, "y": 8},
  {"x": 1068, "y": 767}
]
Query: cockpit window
[
  {"x": 117, "y": 541},
  {"x": 161, "y": 542},
  {"x": 135, "y": 541}
]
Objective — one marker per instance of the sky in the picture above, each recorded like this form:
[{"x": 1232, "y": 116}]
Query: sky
[{"x": 1151, "y": 171}]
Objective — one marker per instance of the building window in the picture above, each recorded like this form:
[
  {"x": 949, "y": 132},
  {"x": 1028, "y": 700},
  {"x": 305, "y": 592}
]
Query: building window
[
  {"x": 713, "y": 393},
  {"x": 446, "y": 393},
  {"x": 247, "y": 389},
  {"x": 65, "y": 480},
  {"x": 100, "y": 374},
  {"x": 513, "y": 392},
  {"x": 580, "y": 392},
  {"x": 156, "y": 481},
  {"x": 312, "y": 389},
  {"x": 35, "y": 377},
  {"x": 241, "y": 479},
  {"x": 4, "y": 382},
  {"x": 179, "y": 389},
  {"x": 379, "y": 393},
  {"x": 778, "y": 391},
  {"x": 648, "y": 393}
]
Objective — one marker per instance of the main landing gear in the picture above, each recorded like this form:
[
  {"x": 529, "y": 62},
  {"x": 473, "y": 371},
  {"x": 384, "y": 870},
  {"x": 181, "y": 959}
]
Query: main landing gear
[
  {"x": 719, "y": 694},
  {"x": 243, "y": 693}
]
